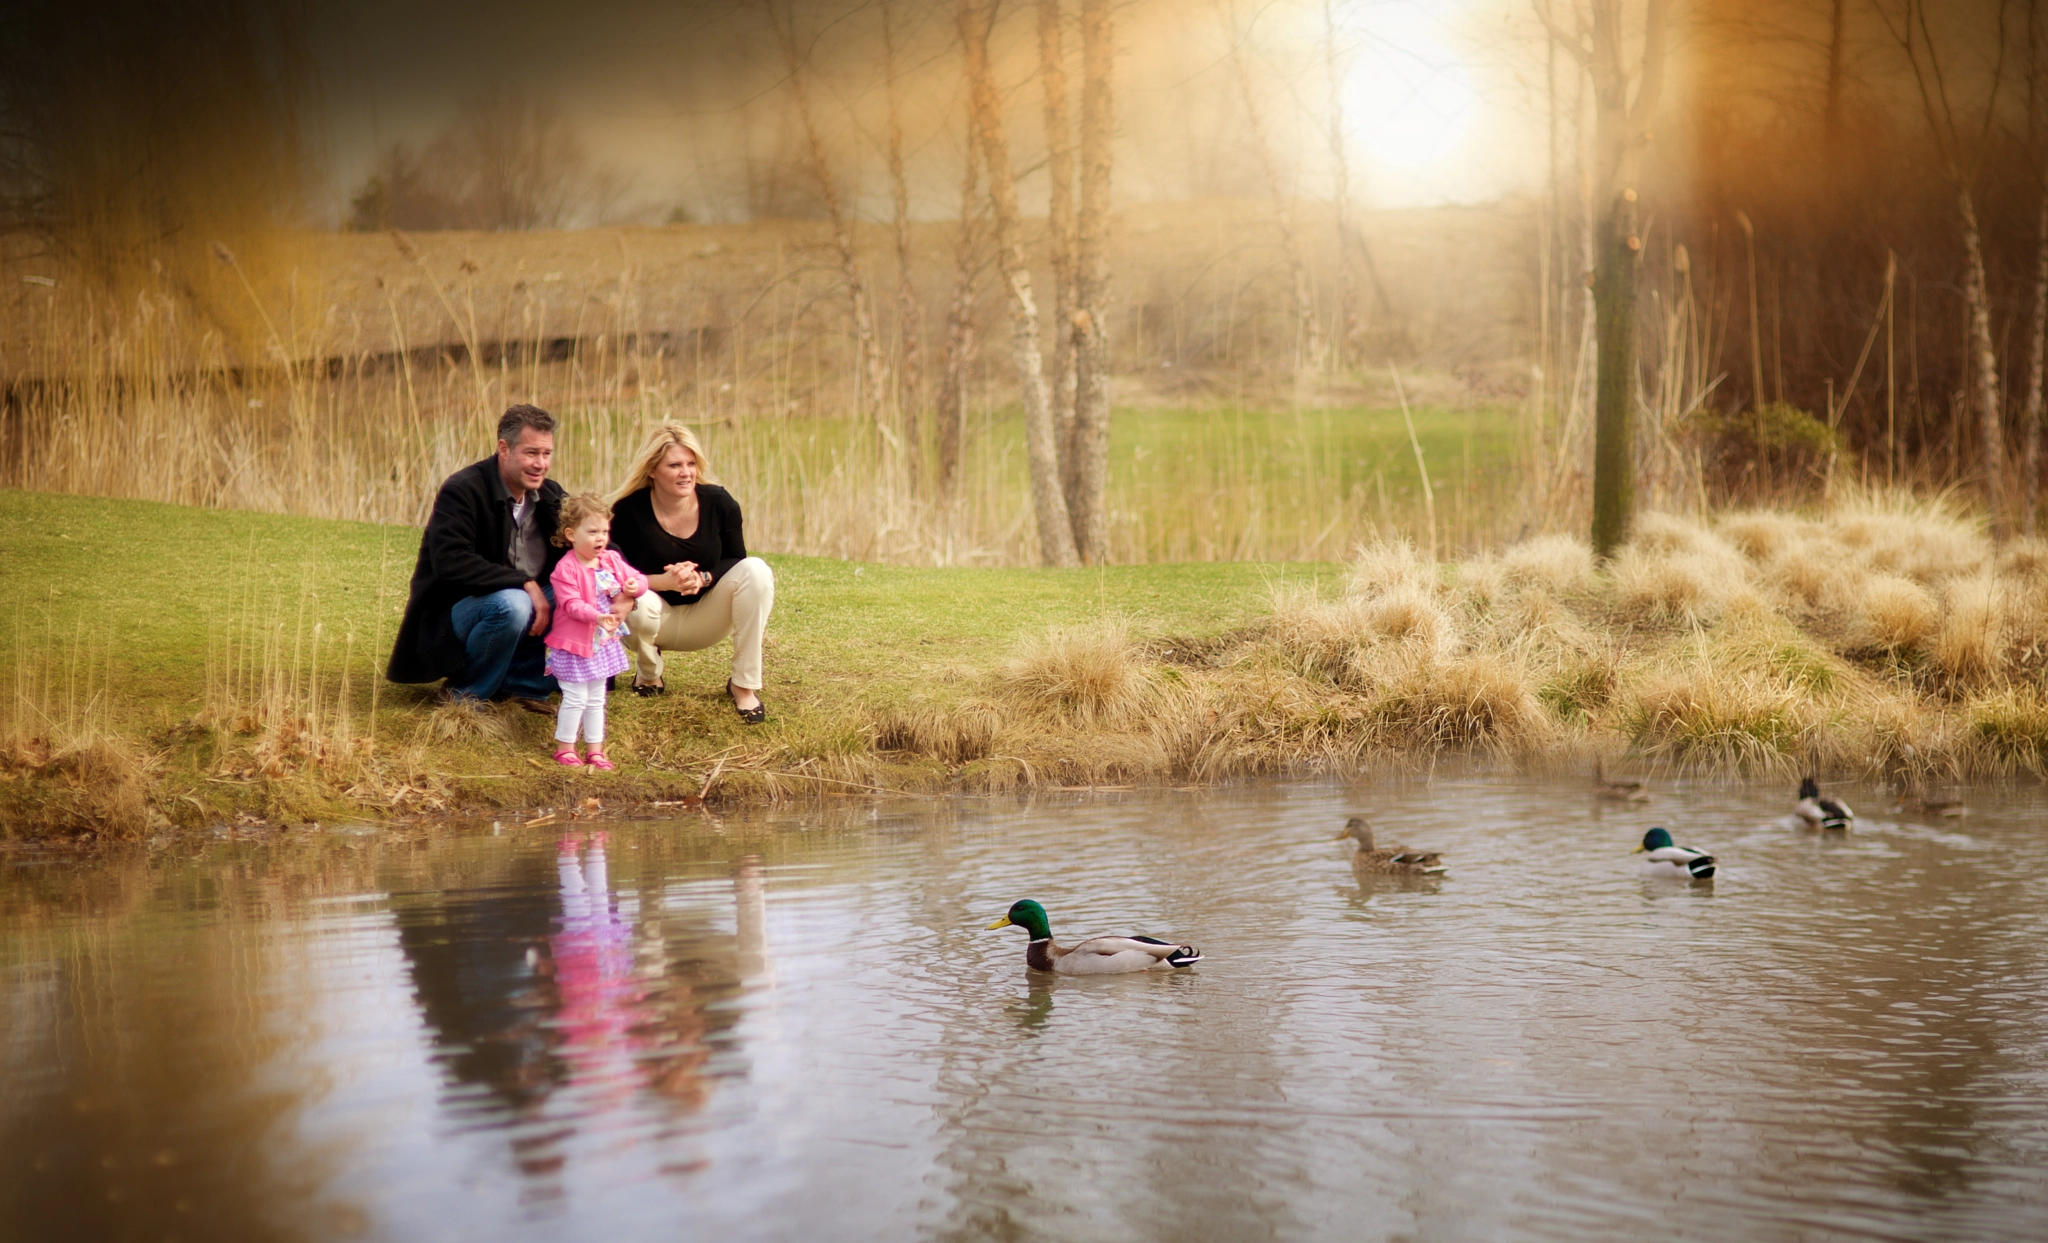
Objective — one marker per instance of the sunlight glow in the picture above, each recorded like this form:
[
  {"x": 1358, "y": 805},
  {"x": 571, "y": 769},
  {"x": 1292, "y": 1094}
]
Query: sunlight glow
[{"x": 1408, "y": 103}]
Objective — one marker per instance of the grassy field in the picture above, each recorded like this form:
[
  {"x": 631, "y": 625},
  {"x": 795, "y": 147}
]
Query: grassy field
[
  {"x": 240, "y": 655},
  {"x": 178, "y": 668}
]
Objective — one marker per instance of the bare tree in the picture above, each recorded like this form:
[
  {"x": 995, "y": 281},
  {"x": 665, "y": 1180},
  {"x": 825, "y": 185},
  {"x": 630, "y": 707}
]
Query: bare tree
[
  {"x": 1055, "y": 535},
  {"x": 1961, "y": 155},
  {"x": 909, "y": 311},
  {"x": 1621, "y": 135},
  {"x": 1087, "y": 500},
  {"x": 2037, "y": 334},
  {"x": 951, "y": 410},
  {"x": 511, "y": 160},
  {"x": 1308, "y": 330},
  {"x": 1340, "y": 166},
  {"x": 1059, "y": 167},
  {"x": 874, "y": 371}
]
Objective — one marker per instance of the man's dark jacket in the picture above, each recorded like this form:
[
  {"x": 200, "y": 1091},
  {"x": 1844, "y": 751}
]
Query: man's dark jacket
[{"x": 466, "y": 551}]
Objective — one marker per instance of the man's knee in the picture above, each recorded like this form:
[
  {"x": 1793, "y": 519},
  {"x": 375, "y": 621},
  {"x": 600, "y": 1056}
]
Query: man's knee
[{"x": 510, "y": 609}]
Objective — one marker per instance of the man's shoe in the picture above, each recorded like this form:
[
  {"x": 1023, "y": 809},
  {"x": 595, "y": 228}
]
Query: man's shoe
[{"x": 539, "y": 707}]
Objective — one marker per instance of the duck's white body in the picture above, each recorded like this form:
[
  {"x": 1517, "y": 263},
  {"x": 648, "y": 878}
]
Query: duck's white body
[
  {"x": 1678, "y": 863},
  {"x": 1117, "y": 956},
  {"x": 1822, "y": 811}
]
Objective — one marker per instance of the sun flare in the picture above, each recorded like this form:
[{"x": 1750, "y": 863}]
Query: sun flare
[{"x": 1408, "y": 106}]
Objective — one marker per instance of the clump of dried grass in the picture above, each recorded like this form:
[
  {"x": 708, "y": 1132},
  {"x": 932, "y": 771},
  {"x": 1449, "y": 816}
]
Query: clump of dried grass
[
  {"x": 2011, "y": 727},
  {"x": 1969, "y": 647},
  {"x": 1896, "y": 614},
  {"x": 1086, "y": 675},
  {"x": 1701, "y": 720},
  {"x": 1674, "y": 570},
  {"x": 1481, "y": 700},
  {"x": 99, "y": 785},
  {"x": 1557, "y": 564},
  {"x": 958, "y": 735}
]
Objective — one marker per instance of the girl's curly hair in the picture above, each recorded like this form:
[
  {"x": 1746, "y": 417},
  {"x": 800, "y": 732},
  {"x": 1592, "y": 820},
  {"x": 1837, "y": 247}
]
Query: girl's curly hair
[{"x": 574, "y": 510}]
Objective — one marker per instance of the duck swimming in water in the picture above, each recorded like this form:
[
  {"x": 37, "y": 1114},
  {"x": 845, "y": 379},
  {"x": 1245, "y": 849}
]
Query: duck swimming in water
[
  {"x": 1819, "y": 811},
  {"x": 1366, "y": 856},
  {"x": 1617, "y": 789},
  {"x": 1096, "y": 955},
  {"x": 1669, "y": 859}
]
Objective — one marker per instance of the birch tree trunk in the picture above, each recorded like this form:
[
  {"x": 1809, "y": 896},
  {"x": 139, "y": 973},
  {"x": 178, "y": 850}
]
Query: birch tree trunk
[
  {"x": 1984, "y": 361},
  {"x": 1348, "y": 327},
  {"x": 951, "y": 411},
  {"x": 1048, "y": 500},
  {"x": 909, "y": 311},
  {"x": 1059, "y": 168},
  {"x": 1088, "y": 498},
  {"x": 1308, "y": 331},
  {"x": 873, "y": 376}
]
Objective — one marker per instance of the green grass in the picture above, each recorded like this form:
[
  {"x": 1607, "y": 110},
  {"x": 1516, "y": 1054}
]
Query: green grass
[{"x": 127, "y": 598}]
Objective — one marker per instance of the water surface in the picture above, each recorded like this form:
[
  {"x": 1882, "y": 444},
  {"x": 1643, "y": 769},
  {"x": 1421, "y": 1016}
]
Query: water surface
[{"x": 794, "y": 1025}]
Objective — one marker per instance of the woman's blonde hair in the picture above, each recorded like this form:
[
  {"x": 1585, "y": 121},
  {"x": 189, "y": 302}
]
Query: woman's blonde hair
[
  {"x": 574, "y": 510},
  {"x": 665, "y": 436}
]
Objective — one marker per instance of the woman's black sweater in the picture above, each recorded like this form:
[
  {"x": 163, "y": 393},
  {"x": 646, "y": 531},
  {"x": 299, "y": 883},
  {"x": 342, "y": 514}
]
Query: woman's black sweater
[{"x": 716, "y": 547}]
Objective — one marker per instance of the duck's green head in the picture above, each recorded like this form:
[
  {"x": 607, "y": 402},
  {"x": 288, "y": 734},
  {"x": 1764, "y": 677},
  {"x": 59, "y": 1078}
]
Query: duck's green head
[
  {"x": 1655, "y": 839},
  {"x": 1029, "y": 916}
]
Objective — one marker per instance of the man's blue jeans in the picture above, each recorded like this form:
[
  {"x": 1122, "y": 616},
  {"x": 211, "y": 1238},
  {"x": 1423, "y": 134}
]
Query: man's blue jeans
[{"x": 503, "y": 660}]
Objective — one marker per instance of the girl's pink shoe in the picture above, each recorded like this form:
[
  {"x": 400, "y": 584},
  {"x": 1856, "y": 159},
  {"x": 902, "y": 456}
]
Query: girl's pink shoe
[
  {"x": 598, "y": 759},
  {"x": 567, "y": 756}
]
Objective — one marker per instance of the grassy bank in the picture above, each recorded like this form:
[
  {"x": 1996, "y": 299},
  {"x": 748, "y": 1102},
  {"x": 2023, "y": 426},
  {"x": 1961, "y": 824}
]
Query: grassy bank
[{"x": 1884, "y": 639}]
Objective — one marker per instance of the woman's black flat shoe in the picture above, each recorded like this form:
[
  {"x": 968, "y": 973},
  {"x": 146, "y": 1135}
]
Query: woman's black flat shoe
[
  {"x": 644, "y": 689},
  {"x": 752, "y": 716}
]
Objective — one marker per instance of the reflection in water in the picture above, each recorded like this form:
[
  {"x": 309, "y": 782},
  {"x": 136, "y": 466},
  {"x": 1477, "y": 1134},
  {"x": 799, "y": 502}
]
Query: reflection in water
[
  {"x": 553, "y": 991},
  {"x": 792, "y": 1026}
]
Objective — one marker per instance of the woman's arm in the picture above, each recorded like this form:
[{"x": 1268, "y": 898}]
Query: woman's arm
[{"x": 732, "y": 541}]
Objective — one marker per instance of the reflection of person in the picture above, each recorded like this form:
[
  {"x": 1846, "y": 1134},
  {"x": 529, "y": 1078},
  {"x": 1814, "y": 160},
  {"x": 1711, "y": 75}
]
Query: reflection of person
[
  {"x": 684, "y": 533},
  {"x": 478, "y": 603},
  {"x": 594, "y": 590}
]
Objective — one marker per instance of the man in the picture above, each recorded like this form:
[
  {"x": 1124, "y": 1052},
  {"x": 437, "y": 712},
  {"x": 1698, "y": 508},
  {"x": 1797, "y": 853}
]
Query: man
[{"x": 480, "y": 600}]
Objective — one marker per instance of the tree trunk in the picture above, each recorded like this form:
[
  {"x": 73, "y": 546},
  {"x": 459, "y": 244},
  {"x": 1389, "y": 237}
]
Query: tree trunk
[
  {"x": 1614, "y": 396},
  {"x": 909, "y": 311},
  {"x": 1059, "y": 168},
  {"x": 1984, "y": 360},
  {"x": 1348, "y": 328},
  {"x": 1048, "y": 501},
  {"x": 1088, "y": 499},
  {"x": 951, "y": 412},
  {"x": 874, "y": 372},
  {"x": 1621, "y": 132},
  {"x": 2037, "y": 356},
  {"x": 1308, "y": 331}
]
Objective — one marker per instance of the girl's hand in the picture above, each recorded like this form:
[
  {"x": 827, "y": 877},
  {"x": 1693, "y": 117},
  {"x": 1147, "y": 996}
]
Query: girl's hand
[{"x": 608, "y": 623}]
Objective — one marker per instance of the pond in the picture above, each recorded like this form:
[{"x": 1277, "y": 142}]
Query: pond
[{"x": 795, "y": 1024}]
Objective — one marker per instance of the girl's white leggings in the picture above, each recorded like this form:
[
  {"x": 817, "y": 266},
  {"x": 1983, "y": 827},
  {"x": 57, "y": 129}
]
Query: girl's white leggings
[{"x": 582, "y": 704}]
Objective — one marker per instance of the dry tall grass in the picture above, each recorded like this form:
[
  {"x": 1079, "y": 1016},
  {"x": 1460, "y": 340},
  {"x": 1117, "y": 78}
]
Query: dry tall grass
[{"x": 1884, "y": 639}]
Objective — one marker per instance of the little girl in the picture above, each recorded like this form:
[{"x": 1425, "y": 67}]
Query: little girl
[{"x": 594, "y": 590}]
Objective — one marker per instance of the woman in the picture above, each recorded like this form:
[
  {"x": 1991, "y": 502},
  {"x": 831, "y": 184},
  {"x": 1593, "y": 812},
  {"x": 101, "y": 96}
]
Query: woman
[{"x": 671, "y": 523}]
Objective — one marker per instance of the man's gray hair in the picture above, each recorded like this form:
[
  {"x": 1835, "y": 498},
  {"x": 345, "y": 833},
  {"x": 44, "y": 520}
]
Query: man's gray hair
[{"x": 521, "y": 417}]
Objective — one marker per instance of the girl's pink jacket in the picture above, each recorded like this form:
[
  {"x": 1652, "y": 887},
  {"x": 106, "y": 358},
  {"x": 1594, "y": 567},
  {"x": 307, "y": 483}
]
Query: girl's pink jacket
[{"x": 576, "y": 599}]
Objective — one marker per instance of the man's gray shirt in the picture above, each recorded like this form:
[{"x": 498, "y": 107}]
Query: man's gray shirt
[{"x": 529, "y": 544}]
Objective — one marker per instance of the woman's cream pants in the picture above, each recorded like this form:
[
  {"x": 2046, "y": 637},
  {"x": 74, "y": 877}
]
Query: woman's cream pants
[{"x": 737, "y": 605}]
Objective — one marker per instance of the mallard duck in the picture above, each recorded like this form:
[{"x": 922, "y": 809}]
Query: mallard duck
[
  {"x": 1096, "y": 955},
  {"x": 1396, "y": 861},
  {"x": 1667, "y": 859},
  {"x": 1820, "y": 811},
  {"x": 1620, "y": 790},
  {"x": 1949, "y": 805}
]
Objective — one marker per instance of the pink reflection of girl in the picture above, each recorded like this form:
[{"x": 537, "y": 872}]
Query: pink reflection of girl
[
  {"x": 594, "y": 590},
  {"x": 594, "y": 975}
]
